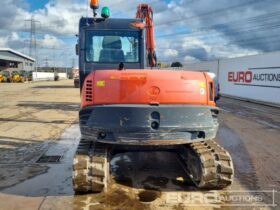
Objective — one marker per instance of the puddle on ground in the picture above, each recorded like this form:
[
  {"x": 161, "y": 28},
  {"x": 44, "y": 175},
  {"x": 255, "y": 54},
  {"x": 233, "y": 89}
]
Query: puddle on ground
[
  {"x": 57, "y": 179},
  {"x": 148, "y": 195}
]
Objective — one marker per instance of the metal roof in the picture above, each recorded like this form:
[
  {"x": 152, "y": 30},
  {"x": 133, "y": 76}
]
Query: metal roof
[{"x": 17, "y": 53}]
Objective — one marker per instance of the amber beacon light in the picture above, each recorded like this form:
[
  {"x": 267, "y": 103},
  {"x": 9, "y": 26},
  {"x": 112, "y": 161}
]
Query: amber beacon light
[{"x": 94, "y": 4}]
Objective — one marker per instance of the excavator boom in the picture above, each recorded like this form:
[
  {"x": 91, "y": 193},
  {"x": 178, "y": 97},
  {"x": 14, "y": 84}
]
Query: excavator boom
[{"x": 145, "y": 12}]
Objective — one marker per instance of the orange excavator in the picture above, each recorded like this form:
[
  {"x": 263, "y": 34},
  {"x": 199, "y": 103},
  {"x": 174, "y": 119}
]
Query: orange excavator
[{"x": 126, "y": 106}]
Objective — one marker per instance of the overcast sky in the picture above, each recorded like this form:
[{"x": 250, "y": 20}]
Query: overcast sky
[{"x": 186, "y": 30}]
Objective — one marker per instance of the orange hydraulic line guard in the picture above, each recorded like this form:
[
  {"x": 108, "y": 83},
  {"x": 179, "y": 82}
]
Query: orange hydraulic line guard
[{"x": 145, "y": 12}]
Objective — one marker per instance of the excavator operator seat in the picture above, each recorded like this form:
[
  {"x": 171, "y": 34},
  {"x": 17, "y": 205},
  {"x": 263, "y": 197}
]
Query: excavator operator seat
[{"x": 112, "y": 50}]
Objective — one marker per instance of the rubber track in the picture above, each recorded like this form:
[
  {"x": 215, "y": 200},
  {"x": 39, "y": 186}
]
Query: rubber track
[
  {"x": 216, "y": 170},
  {"x": 90, "y": 168}
]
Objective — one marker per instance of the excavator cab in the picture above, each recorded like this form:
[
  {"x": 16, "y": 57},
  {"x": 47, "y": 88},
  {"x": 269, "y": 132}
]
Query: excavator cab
[{"x": 110, "y": 44}]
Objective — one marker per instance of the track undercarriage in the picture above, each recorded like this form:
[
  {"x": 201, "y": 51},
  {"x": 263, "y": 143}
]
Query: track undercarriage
[
  {"x": 90, "y": 167},
  {"x": 207, "y": 164}
]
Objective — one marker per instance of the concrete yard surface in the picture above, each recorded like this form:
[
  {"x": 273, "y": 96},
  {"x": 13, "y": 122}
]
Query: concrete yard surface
[
  {"x": 41, "y": 119},
  {"x": 32, "y": 117}
]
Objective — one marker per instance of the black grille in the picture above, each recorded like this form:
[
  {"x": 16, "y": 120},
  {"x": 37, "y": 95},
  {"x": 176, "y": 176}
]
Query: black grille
[{"x": 89, "y": 90}]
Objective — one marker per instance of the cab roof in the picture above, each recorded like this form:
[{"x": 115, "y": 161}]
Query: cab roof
[{"x": 110, "y": 23}]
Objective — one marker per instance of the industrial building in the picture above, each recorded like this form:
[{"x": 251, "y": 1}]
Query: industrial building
[{"x": 15, "y": 61}]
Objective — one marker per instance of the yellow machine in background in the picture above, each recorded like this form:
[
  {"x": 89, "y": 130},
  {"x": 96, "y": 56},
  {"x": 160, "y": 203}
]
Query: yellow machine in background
[
  {"x": 20, "y": 76},
  {"x": 5, "y": 76},
  {"x": 1, "y": 77},
  {"x": 15, "y": 77}
]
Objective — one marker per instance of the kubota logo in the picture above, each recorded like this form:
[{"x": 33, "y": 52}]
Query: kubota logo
[{"x": 240, "y": 76}]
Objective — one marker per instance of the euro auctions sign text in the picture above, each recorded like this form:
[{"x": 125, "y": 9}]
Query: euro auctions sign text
[{"x": 263, "y": 77}]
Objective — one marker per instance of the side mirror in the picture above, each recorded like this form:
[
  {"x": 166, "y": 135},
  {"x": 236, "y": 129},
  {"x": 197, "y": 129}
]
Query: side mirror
[{"x": 77, "y": 49}]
